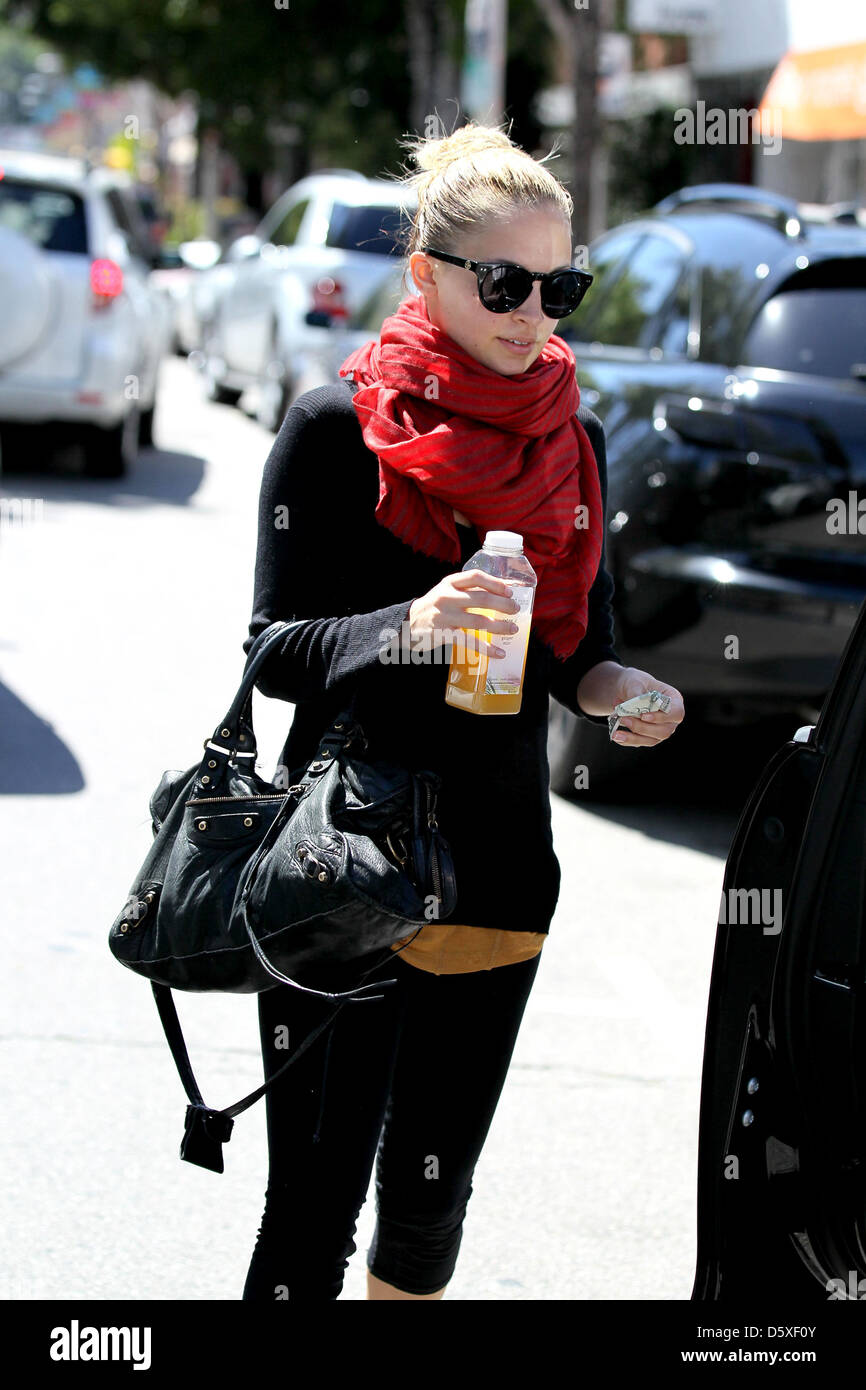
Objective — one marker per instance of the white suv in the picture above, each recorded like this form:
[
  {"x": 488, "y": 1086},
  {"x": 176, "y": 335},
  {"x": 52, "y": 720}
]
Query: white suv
[
  {"x": 84, "y": 329},
  {"x": 314, "y": 259}
]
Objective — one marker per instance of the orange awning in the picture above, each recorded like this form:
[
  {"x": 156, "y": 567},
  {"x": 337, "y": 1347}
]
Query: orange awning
[{"x": 820, "y": 95}]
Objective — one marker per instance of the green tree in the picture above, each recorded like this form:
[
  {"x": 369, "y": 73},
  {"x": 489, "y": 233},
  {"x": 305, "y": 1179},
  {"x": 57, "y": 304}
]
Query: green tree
[{"x": 340, "y": 75}]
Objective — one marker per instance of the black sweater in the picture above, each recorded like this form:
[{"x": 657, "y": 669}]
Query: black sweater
[{"x": 322, "y": 555}]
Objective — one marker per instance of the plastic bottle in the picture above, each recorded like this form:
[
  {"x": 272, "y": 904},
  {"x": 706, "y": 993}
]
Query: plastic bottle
[{"x": 485, "y": 684}]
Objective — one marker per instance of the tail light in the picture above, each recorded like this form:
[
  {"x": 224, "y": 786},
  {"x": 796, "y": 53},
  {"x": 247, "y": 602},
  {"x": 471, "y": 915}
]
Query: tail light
[
  {"x": 106, "y": 282},
  {"x": 328, "y": 298}
]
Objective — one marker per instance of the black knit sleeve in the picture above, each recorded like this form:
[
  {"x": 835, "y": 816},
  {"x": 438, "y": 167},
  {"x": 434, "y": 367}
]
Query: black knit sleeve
[
  {"x": 304, "y": 544},
  {"x": 598, "y": 640}
]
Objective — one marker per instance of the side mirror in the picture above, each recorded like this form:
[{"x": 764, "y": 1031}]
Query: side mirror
[{"x": 707, "y": 422}]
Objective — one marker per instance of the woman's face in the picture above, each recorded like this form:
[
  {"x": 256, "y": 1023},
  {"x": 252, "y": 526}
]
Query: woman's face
[{"x": 537, "y": 239}]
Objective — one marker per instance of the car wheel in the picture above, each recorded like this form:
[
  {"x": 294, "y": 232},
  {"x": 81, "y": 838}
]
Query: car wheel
[
  {"x": 274, "y": 399},
  {"x": 582, "y": 757},
  {"x": 109, "y": 453},
  {"x": 274, "y": 393},
  {"x": 219, "y": 394},
  {"x": 145, "y": 426},
  {"x": 213, "y": 388}
]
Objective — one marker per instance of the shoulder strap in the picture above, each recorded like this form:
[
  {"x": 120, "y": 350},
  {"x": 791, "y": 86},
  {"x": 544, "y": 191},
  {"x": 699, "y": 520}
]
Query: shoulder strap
[{"x": 207, "y": 1130}]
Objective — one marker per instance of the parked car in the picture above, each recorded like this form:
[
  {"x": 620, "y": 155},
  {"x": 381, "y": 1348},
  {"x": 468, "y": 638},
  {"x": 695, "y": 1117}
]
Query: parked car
[
  {"x": 319, "y": 251},
  {"x": 84, "y": 329},
  {"x": 179, "y": 272},
  {"x": 723, "y": 345},
  {"x": 782, "y": 1137}
]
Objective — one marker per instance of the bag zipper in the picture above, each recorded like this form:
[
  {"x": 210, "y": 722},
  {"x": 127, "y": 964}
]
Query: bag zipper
[{"x": 253, "y": 796}]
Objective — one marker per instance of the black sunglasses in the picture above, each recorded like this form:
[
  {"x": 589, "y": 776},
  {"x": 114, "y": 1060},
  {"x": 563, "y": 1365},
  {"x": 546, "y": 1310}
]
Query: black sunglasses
[{"x": 503, "y": 286}]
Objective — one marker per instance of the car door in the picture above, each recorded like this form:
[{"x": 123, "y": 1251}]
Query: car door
[
  {"x": 246, "y": 313},
  {"x": 782, "y": 1143}
]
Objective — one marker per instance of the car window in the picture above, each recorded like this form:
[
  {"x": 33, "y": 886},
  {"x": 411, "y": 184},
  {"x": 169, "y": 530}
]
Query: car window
[
  {"x": 52, "y": 218},
  {"x": 672, "y": 329},
  {"x": 628, "y": 315},
  {"x": 372, "y": 228},
  {"x": 127, "y": 221},
  {"x": 606, "y": 260},
  {"x": 286, "y": 231},
  {"x": 820, "y": 331}
]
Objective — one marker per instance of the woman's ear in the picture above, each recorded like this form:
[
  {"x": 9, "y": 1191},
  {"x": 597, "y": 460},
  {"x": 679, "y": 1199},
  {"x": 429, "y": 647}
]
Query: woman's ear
[{"x": 423, "y": 272}]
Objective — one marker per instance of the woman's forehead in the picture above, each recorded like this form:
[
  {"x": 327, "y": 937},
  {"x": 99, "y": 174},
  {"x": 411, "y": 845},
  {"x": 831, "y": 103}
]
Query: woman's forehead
[{"x": 534, "y": 235}]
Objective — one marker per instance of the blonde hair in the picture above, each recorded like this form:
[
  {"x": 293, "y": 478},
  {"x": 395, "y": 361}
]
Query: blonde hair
[{"x": 470, "y": 178}]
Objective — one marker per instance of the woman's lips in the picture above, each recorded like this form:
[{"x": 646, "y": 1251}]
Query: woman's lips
[{"x": 513, "y": 347}]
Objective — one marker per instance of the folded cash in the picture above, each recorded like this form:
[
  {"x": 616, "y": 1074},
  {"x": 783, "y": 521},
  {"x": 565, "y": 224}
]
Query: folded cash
[{"x": 648, "y": 703}]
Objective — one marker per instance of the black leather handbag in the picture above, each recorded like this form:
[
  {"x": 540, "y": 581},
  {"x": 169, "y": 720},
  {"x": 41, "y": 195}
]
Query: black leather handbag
[{"x": 246, "y": 881}]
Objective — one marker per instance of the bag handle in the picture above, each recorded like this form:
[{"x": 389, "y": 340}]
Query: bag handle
[{"x": 234, "y": 736}]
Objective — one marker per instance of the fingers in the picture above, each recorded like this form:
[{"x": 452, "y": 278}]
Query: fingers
[
  {"x": 457, "y": 612},
  {"x": 645, "y": 730},
  {"x": 474, "y": 639},
  {"x": 480, "y": 579},
  {"x": 480, "y": 590},
  {"x": 476, "y": 622}
]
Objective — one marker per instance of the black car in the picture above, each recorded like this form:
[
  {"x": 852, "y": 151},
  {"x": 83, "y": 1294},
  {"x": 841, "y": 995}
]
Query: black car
[
  {"x": 782, "y": 1148},
  {"x": 723, "y": 345}
]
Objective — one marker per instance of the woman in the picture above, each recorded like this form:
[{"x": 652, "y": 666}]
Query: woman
[{"x": 375, "y": 493}]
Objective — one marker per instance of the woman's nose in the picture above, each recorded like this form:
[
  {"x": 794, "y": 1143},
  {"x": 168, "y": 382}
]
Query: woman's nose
[{"x": 530, "y": 310}]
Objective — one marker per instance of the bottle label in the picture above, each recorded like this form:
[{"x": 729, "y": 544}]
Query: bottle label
[{"x": 505, "y": 673}]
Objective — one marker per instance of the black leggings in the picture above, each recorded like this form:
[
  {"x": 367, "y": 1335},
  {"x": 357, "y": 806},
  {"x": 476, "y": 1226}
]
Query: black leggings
[{"x": 411, "y": 1081}]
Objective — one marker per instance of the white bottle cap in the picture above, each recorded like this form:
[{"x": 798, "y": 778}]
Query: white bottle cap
[{"x": 503, "y": 540}]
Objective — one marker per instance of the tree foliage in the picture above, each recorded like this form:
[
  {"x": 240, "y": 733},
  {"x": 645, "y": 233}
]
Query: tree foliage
[{"x": 336, "y": 71}]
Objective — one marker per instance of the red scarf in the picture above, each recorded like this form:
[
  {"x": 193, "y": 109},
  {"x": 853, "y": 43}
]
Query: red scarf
[{"x": 507, "y": 451}]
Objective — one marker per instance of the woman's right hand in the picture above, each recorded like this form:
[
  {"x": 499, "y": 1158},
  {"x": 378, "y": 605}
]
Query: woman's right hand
[{"x": 445, "y": 609}]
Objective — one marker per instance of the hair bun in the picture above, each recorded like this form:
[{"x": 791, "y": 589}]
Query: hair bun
[
  {"x": 434, "y": 155},
  {"x": 471, "y": 177}
]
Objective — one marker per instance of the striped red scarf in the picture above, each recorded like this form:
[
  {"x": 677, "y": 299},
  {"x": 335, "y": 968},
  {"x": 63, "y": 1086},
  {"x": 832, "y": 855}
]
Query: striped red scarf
[{"x": 507, "y": 451}]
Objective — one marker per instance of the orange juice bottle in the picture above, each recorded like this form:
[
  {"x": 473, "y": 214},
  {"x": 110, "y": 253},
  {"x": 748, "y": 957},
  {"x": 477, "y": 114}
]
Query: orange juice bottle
[{"x": 485, "y": 684}]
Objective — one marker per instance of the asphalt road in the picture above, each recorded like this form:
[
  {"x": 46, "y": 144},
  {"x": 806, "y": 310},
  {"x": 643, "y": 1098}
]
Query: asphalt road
[{"x": 120, "y": 644}]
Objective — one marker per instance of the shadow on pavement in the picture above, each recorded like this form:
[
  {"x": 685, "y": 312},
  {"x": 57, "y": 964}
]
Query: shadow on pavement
[
  {"x": 158, "y": 475},
  {"x": 33, "y": 760}
]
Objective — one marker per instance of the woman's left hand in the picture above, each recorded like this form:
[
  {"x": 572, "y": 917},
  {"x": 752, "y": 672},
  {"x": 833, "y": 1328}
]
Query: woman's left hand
[{"x": 646, "y": 730}]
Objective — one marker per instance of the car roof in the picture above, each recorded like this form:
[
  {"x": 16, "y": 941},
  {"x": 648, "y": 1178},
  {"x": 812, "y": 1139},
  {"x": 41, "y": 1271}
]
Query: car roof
[
  {"x": 355, "y": 189},
  {"x": 711, "y": 231},
  {"x": 35, "y": 164},
  {"x": 63, "y": 170},
  {"x": 733, "y": 223}
]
